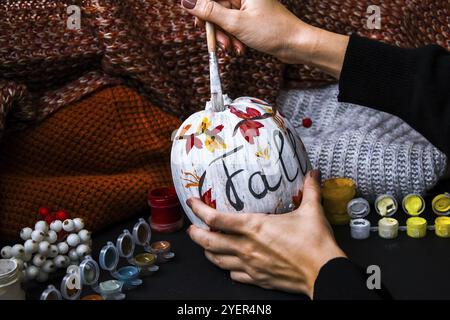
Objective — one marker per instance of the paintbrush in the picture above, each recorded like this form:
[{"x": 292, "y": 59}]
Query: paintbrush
[{"x": 214, "y": 77}]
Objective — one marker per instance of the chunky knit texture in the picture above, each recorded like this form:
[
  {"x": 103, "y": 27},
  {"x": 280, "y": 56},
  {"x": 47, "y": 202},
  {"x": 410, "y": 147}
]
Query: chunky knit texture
[
  {"x": 97, "y": 159},
  {"x": 379, "y": 151}
]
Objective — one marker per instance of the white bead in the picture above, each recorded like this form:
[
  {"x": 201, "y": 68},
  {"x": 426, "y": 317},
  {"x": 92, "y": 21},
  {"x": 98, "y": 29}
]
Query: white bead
[
  {"x": 56, "y": 225},
  {"x": 63, "y": 247},
  {"x": 53, "y": 251},
  {"x": 37, "y": 235},
  {"x": 31, "y": 272},
  {"x": 6, "y": 252},
  {"x": 41, "y": 226},
  {"x": 84, "y": 235},
  {"x": 42, "y": 276},
  {"x": 61, "y": 261},
  {"x": 25, "y": 233},
  {"x": 68, "y": 225},
  {"x": 49, "y": 266},
  {"x": 30, "y": 246},
  {"x": 44, "y": 248},
  {"x": 38, "y": 260},
  {"x": 83, "y": 250},
  {"x": 17, "y": 251},
  {"x": 78, "y": 223},
  {"x": 73, "y": 240},
  {"x": 73, "y": 255},
  {"x": 51, "y": 236}
]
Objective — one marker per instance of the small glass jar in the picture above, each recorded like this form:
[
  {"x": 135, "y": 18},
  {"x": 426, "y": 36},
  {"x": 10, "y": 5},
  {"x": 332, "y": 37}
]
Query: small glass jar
[
  {"x": 336, "y": 194},
  {"x": 165, "y": 215},
  {"x": 10, "y": 281}
]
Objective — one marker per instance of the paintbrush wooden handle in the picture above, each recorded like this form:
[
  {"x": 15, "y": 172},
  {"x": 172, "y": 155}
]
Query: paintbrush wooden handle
[{"x": 211, "y": 36}]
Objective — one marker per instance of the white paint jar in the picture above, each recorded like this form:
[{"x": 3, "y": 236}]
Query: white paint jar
[
  {"x": 360, "y": 229},
  {"x": 10, "y": 281}
]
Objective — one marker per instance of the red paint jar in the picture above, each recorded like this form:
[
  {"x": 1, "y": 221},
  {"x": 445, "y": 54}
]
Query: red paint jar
[{"x": 165, "y": 210}]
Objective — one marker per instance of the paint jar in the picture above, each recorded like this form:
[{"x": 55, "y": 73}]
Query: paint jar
[
  {"x": 441, "y": 204},
  {"x": 51, "y": 293},
  {"x": 413, "y": 204},
  {"x": 146, "y": 263},
  {"x": 93, "y": 297},
  {"x": 336, "y": 194},
  {"x": 358, "y": 208},
  {"x": 360, "y": 229},
  {"x": 442, "y": 227},
  {"x": 165, "y": 210},
  {"x": 386, "y": 205},
  {"x": 10, "y": 280},
  {"x": 388, "y": 228},
  {"x": 162, "y": 251},
  {"x": 416, "y": 227}
]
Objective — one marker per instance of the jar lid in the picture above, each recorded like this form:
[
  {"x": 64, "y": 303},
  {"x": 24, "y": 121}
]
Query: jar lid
[
  {"x": 441, "y": 204},
  {"x": 358, "y": 208},
  {"x": 109, "y": 257},
  {"x": 125, "y": 244},
  {"x": 142, "y": 232},
  {"x": 89, "y": 271},
  {"x": 413, "y": 204},
  {"x": 386, "y": 205}
]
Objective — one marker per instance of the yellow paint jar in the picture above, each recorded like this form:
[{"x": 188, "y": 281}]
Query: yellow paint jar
[
  {"x": 336, "y": 194},
  {"x": 442, "y": 227},
  {"x": 441, "y": 204},
  {"x": 385, "y": 205},
  {"x": 413, "y": 204},
  {"x": 416, "y": 227}
]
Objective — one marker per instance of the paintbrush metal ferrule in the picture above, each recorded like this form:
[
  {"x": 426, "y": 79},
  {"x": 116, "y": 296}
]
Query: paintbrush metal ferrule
[{"x": 216, "y": 86}]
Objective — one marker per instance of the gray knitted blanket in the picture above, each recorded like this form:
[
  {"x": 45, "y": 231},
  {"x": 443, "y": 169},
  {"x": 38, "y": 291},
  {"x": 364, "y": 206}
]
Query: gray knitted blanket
[{"x": 379, "y": 151}]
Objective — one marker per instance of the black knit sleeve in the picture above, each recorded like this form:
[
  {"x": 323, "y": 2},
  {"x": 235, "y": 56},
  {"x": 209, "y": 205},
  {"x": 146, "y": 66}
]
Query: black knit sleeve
[
  {"x": 413, "y": 84},
  {"x": 340, "y": 279}
]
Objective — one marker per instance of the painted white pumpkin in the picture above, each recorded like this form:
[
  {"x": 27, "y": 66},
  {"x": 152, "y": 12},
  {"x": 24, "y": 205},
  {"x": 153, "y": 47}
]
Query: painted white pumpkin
[{"x": 246, "y": 158}]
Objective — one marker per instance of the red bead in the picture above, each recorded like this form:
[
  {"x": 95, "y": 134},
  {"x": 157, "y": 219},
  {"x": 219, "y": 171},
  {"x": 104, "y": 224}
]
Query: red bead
[
  {"x": 43, "y": 212},
  {"x": 61, "y": 215},
  {"x": 49, "y": 219},
  {"x": 307, "y": 122}
]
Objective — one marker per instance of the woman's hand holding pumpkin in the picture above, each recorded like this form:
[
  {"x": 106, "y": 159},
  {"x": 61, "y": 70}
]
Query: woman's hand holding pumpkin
[
  {"x": 267, "y": 26},
  {"x": 283, "y": 252}
]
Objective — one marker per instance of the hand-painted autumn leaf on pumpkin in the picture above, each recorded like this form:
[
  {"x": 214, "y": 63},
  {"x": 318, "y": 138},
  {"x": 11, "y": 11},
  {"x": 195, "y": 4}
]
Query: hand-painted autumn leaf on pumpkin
[
  {"x": 263, "y": 153},
  {"x": 191, "y": 139},
  {"x": 297, "y": 199},
  {"x": 212, "y": 141},
  {"x": 249, "y": 127},
  {"x": 193, "y": 179},
  {"x": 207, "y": 198}
]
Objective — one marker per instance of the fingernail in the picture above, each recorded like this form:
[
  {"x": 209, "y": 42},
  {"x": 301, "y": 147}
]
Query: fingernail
[
  {"x": 315, "y": 174},
  {"x": 189, "y": 4},
  {"x": 238, "y": 50},
  {"x": 188, "y": 202}
]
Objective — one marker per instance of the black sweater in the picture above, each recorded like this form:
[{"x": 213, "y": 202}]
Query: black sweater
[{"x": 413, "y": 84}]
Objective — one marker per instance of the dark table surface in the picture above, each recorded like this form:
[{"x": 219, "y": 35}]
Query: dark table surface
[{"x": 410, "y": 268}]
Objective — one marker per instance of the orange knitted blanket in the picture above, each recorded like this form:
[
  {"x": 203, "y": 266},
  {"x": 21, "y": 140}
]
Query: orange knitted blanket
[{"x": 100, "y": 153}]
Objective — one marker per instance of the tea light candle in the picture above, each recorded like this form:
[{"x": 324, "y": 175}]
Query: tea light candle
[
  {"x": 442, "y": 227},
  {"x": 441, "y": 204},
  {"x": 413, "y": 204},
  {"x": 386, "y": 205},
  {"x": 416, "y": 227},
  {"x": 360, "y": 228},
  {"x": 336, "y": 194},
  {"x": 388, "y": 228}
]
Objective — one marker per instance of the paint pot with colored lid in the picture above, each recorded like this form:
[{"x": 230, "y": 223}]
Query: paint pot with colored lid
[
  {"x": 165, "y": 209},
  {"x": 360, "y": 229},
  {"x": 336, "y": 194},
  {"x": 10, "y": 280},
  {"x": 93, "y": 297},
  {"x": 386, "y": 205},
  {"x": 109, "y": 259},
  {"x": 51, "y": 293},
  {"x": 442, "y": 227},
  {"x": 162, "y": 251},
  {"x": 441, "y": 204},
  {"x": 146, "y": 263},
  {"x": 416, "y": 227},
  {"x": 413, "y": 204},
  {"x": 358, "y": 208},
  {"x": 388, "y": 228},
  {"x": 111, "y": 290}
]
